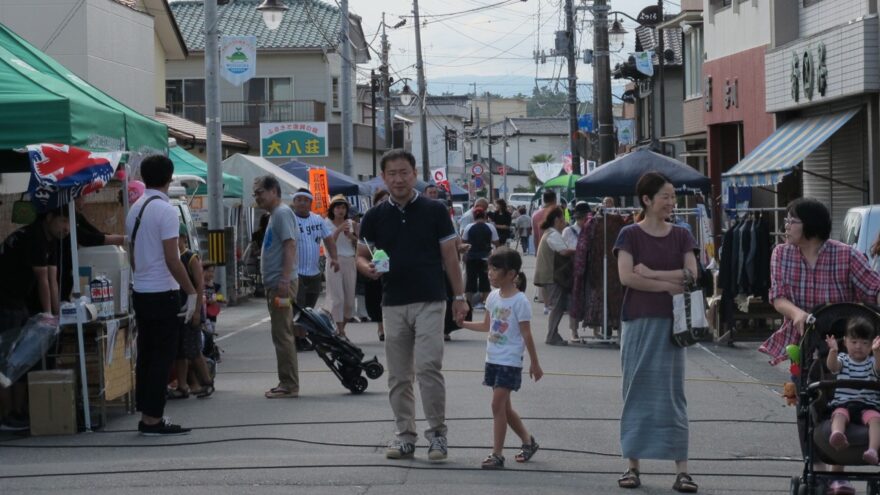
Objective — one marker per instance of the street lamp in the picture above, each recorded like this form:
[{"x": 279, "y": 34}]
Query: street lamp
[
  {"x": 616, "y": 34},
  {"x": 273, "y": 12},
  {"x": 406, "y": 96}
]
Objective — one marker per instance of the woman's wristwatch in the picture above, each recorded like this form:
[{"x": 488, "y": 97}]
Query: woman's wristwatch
[{"x": 459, "y": 297}]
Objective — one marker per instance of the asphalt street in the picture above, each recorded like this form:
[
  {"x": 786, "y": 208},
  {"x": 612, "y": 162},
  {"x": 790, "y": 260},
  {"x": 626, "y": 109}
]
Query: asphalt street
[{"x": 328, "y": 441}]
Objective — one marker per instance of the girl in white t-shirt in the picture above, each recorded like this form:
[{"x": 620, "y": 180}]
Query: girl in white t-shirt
[{"x": 508, "y": 315}]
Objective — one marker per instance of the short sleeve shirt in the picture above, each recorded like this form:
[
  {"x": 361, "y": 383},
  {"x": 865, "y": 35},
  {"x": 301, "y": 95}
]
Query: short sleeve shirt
[
  {"x": 282, "y": 227},
  {"x": 312, "y": 230},
  {"x": 411, "y": 235},
  {"x": 159, "y": 223},
  {"x": 480, "y": 236},
  {"x": 25, "y": 249},
  {"x": 657, "y": 253},
  {"x": 505, "y": 344},
  {"x": 344, "y": 246}
]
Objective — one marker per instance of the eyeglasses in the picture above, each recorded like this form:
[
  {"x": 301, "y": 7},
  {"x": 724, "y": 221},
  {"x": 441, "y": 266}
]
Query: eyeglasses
[{"x": 792, "y": 221}]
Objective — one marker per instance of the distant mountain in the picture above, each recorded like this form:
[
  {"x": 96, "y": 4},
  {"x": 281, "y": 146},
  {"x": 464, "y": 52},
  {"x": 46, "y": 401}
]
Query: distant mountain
[{"x": 507, "y": 86}]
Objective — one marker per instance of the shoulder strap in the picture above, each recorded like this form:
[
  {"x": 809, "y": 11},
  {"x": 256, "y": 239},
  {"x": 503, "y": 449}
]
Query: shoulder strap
[{"x": 137, "y": 225}]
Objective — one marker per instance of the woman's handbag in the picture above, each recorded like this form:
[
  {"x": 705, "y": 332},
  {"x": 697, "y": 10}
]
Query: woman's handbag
[
  {"x": 563, "y": 270},
  {"x": 689, "y": 324}
]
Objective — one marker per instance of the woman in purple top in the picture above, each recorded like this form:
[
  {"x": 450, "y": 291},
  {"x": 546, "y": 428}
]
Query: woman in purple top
[{"x": 652, "y": 258}]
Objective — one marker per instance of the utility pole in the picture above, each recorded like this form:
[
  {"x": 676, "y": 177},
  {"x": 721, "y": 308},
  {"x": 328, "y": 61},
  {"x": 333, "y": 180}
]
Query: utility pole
[
  {"x": 446, "y": 142},
  {"x": 504, "y": 152},
  {"x": 489, "y": 166},
  {"x": 386, "y": 90},
  {"x": 479, "y": 142},
  {"x": 572, "y": 84},
  {"x": 661, "y": 62},
  {"x": 216, "y": 224},
  {"x": 423, "y": 93},
  {"x": 605, "y": 122},
  {"x": 373, "y": 83},
  {"x": 347, "y": 121}
]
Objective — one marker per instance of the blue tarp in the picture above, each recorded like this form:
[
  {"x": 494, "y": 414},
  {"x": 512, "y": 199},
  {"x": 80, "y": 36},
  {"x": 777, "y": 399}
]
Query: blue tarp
[
  {"x": 339, "y": 182},
  {"x": 619, "y": 177}
]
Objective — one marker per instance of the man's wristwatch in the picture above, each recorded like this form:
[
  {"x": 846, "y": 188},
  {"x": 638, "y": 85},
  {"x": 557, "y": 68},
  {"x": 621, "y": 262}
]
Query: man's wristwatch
[{"x": 459, "y": 297}]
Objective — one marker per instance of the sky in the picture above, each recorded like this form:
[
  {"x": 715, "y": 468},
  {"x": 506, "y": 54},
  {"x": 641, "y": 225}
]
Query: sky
[{"x": 491, "y": 46}]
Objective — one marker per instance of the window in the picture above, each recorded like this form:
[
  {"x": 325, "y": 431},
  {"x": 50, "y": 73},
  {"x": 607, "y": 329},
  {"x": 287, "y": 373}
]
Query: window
[
  {"x": 452, "y": 139},
  {"x": 693, "y": 62},
  {"x": 186, "y": 97},
  {"x": 334, "y": 93},
  {"x": 268, "y": 99}
]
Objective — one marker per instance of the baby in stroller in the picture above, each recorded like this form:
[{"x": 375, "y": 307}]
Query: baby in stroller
[{"x": 861, "y": 361}]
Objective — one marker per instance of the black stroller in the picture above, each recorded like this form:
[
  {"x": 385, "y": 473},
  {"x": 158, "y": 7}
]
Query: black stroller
[
  {"x": 815, "y": 389},
  {"x": 343, "y": 358}
]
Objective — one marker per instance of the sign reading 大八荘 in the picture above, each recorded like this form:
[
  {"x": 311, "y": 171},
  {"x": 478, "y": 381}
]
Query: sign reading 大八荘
[{"x": 293, "y": 139}]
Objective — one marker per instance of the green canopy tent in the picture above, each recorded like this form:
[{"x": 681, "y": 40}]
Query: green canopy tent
[
  {"x": 185, "y": 163},
  {"x": 566, "y": 181},
  {"x": 41, "y": 101}
]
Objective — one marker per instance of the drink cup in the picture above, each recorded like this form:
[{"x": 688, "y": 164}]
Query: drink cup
[{"x": 381, "y": 261}]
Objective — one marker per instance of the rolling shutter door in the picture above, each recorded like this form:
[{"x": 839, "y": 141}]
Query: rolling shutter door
[{"x": 843, "y": 159}]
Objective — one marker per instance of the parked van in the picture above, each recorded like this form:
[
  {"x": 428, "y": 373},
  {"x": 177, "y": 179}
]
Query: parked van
[
  {"x": 860, "y": 228},
  {"x": 520, "y": 199}
]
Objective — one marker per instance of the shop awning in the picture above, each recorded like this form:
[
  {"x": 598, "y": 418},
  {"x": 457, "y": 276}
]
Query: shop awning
[
  {"x": 41, "y": 101},
  {"x": 783, "y": 150},
  {"x": 185, "y": 163}
]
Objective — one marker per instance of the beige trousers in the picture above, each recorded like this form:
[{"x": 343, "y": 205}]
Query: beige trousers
[
  {"x": 414, "y": 349},
  {"x": 283, "y": 338},
  {"x": 340, "y": 289}
]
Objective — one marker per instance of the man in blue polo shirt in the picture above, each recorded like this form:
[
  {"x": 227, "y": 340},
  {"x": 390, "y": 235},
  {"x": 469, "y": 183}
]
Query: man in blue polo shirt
[{"x": 418, "y": 236}]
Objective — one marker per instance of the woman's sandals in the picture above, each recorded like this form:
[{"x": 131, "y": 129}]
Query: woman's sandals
[
  {"x": 493, "y": 462},
  {"x": 630, "y": 479},
  {"x": 527, "y": 451},
  {"x": 684, "y": 483}
]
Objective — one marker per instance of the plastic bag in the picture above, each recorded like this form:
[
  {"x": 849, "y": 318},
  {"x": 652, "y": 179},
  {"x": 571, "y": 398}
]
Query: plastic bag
[{"x": 22, "y": 348}]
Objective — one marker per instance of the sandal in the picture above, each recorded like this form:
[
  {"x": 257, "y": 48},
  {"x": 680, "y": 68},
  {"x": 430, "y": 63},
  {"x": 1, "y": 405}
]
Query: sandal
[
  {"x": 684, "y": 483},
  {"x": 527, "y": 451},
  {"x": 630, "y": 479},
  {"x": 280, "y": 393},
  {"x": 205, "y": 392},
  {"x": 176, "y": 393},
  {"x": 493, "y": 462}
]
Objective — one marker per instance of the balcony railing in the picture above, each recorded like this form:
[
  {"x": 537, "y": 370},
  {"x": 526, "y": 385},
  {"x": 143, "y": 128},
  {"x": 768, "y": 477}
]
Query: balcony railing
[{"x": 253, "y": 112}]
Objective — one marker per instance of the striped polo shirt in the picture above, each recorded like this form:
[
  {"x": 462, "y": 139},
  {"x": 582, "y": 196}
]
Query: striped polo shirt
[
  {"x": 312, "y": 230},
  {"x": 854, "y": 370}
]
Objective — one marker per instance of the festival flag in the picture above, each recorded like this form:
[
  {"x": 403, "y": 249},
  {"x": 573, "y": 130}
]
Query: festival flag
[{"x": 61, "y": 173}]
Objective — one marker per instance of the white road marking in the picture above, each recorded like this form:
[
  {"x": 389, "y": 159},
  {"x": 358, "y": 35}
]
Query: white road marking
[{"x": 252, "y": 325}]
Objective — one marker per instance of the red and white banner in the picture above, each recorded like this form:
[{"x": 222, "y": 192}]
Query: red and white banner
[{"x": 439, "y": 175}]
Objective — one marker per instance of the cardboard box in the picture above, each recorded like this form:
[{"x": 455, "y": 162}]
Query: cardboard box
[{"x": 52, "y": 402}]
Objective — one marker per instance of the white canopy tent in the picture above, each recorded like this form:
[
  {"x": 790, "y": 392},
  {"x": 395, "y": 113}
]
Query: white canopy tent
[{"x": 250, "y": 167}]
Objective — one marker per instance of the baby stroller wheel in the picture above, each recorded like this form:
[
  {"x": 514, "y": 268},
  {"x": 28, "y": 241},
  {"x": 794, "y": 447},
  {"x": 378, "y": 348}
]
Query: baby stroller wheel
[
  {"x": 374, "y": 369},
  {"x": 358, "y": 385}
]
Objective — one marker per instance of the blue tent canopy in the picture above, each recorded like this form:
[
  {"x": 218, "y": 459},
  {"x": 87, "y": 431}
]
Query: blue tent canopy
[
  {"x": 339, "y": 182},
  {"x": 619, "y": 177}
]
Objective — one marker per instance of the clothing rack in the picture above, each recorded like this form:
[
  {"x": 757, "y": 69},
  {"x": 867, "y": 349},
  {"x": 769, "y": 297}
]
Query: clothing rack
[{"x": 685, "y": 212}]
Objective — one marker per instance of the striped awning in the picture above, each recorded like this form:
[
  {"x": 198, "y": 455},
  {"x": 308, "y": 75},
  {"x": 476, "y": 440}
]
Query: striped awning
[{"x": 783, "y": 150}]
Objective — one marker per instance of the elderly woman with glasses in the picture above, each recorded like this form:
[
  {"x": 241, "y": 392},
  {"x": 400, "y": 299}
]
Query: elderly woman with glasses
[{"x": 810, "y": 269}]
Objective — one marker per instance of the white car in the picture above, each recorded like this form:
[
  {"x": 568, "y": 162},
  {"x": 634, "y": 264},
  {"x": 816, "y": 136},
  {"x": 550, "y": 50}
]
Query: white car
[{"x": 520, "y": 199}]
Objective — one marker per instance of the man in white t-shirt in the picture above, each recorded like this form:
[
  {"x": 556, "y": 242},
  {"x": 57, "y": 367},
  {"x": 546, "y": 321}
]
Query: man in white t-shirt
[{"x": 152, "y": 225}]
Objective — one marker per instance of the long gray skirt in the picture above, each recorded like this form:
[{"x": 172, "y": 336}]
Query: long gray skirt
[{"x": 654, "y": 424}]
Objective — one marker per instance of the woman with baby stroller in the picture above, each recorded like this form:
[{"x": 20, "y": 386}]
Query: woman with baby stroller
[{"x": 810, "y": 269}]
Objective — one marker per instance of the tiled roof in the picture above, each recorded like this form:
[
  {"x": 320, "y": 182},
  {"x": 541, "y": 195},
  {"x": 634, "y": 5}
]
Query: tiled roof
[
  {"x": 127, "y": 3},
  {"x": 647, "y": 39},
  {"x": 307, "y": 24},
  {"x": 530, "y": 126},
  {"x": 187, "y": 130}
]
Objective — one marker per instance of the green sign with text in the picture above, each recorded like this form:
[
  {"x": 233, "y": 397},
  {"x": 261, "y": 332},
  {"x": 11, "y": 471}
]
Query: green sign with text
[{"x": 293, "y": 139}]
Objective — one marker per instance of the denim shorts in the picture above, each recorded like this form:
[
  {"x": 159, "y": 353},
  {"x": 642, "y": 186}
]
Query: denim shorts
[{"x": 501, "y": 376}]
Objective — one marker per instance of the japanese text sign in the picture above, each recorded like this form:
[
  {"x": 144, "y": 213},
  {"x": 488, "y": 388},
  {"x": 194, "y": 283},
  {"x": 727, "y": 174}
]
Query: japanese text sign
[
  {"x": 293, "y": 139},
  {"x": 320, "y": 190}
]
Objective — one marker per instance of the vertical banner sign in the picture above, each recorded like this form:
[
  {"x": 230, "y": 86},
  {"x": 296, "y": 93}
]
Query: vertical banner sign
[
  {"x": 293, "y": 139},
  {"x": 645, "y": 62},
  {"x": 439, "y": 175},
  {"x": 320, "y": 190},
  {"x": 238, "y": 58}
]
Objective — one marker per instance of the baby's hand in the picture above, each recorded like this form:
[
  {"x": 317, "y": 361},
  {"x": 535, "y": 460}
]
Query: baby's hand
[
  {"x": 875, "y": 346},
  {"x": 832, "y": 342},
  {"x": 535, "y": 371}
]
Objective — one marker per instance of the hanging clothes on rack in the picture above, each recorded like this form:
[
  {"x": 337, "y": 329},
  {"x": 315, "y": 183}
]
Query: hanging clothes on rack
[
  {"x": 744, "y": 267},
  {"x": 581, "y": 267},
  {"x": 603, "y": 242}
]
